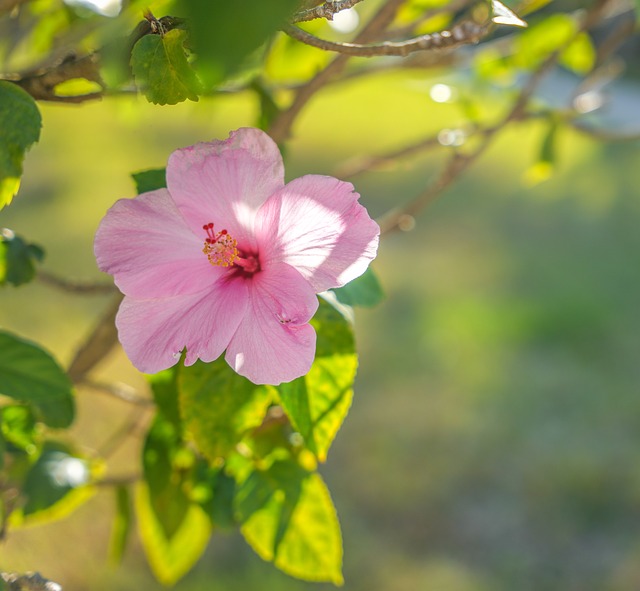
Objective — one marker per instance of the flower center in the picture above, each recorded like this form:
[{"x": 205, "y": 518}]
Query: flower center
[
  {"x": 222, "y": 251},
  {"x": 220, "y": 248}
]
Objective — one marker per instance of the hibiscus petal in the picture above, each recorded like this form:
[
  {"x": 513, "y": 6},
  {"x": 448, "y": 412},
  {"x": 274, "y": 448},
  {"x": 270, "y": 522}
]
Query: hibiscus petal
[
  {"x": 154, "y": 332},
  {"x": 274, "y": 343},
  {"x": 226, "y": 182},
  {"x": 151, "y": 252},
  {"x": 316, "y": 225}
]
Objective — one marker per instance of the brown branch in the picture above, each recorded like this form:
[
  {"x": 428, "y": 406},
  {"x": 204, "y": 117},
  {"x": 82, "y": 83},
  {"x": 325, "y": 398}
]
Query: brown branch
[
  {"x": 399, "y": 219},
  {"x": 9, "y": 5},
  {"x": 464, "y": 33},
  {"x": 362, "y": 164},
  {"x": 75, "y": 287},
  {"x": 281, "y": 127},
  {"x": 120, "y": 391},
  {"x": 325, "y": 10},
  {"x": 403, "y": 218},
  {"x": 101, "y": 340},
  {"x": 28, "y": 582},
  {"x": 40, "y": 84},
  {"x": 452, "y": 7}
]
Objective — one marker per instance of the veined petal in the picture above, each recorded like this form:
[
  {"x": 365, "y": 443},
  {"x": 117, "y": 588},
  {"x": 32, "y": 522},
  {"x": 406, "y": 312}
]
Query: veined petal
[
  {"x": 316, "y": 225},
  {"x": 274, "y": 342},
  {"x": 154, "y": 332},
  {"x": 147, "y": 246},
  {"x": 226, "y": 182}
]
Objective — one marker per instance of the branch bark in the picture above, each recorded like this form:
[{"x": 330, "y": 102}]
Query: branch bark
[{"x": 464, "y": 33}]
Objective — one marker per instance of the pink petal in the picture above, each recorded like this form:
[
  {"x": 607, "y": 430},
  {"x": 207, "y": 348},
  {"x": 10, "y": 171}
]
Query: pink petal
[
  {"x": 148, "y": 248},
  {"x": 154, "y": 332},
  {"x": 274, "y": 343},
  {"x": 226, "y": 182},
  {"x": 316, "y": 225}
]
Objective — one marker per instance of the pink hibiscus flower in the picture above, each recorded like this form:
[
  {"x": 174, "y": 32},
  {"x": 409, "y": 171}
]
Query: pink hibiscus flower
[{"x": 230, "y": 257}]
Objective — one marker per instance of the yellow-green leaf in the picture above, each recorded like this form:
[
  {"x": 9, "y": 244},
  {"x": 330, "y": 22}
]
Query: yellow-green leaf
[
  {"x": 219, "y": 406},
  {"x": 171, "y": 558},
  {"x": 289, "y": 519},
  {"x": 317, "y": 403}
]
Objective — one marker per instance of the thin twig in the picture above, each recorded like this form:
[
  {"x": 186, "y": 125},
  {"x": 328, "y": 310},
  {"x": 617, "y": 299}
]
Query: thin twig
[
  {"x": 40, "y": 84},
  {"x": 396, "y": 219},
  {"x": 75, "y": 287},
  {"x": 103, "y": 337},
  {"x": 119, "y": 480},
  {"x": 464, "y": 33},
  {"x": 122, "y": 392},
  {"x": 325, "y": 10},
  {"x": 452, "y": 7}
]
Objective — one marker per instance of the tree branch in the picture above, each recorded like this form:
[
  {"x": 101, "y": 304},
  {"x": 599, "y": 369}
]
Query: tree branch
[
  {"x": 28, "y": 582},
  {"x": 75, "y": 287},
  {"x": 40, "y": 84},
  {"x": 97, "y": 345},
  {"x": 464, "y": 33},
  {"x": 325, "y": 10}
]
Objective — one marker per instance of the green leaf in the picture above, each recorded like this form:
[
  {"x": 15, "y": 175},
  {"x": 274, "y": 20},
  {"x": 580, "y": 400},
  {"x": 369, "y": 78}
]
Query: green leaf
[
  {"x": 164, "y": 387},
  {"x": 121, "y": 527},
  {"x": 161, "y": 68},
  {"x": 150, "y": 180},
  {"x": 289, "y": 519},
  {"x": 214, "y": 490},
  {"x": 220, "y": 49},
  {"x": 219, "y": 406},
  {"x": 164, "y": 473},
  {"x": 317, "y": 403},
  {"x": 172, "y": 557},
  {"x": 29, "y": 374},
  {"x": 3, "y": 450},
  {"x": 269, "y": 109},
  {"x": 20, "y": 122},
  {"x": 534, "y": 45},
  {"x": 55, "y": 485},
  {"x": 19, "y": 428},
  {"x": 580, "y": 56},
  {"x": 17, "y": 258},
  {"x": 364, "y": 291}
]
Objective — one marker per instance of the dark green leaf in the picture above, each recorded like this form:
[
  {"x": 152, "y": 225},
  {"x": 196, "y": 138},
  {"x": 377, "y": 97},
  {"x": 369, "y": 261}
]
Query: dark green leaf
[
  {"x": 362, "y": 291},
  {"x": 317, "y": 403},
  {"x": 3, "y": 449},
  {"x": 121, "y": 526},
  {"x": 220, "y": 47},
  {"x": 17, "y": 259},
  {"x": 288, "y": 518},
  {"x": 171, "y": 558},
  {"x": 20, "y": 123},
  {"x": 215, "y": 491},
  {"x": 269, "y": 110},
  {"x": 56, "y": 483},
  {"x": 165, "y": 479},
  {"x": 162, "y": 71},
  {"x": 150, "y": 180},
  {"x": 29, "y": 374},
  {"x": 164, "y": 386},
  {"x": 219, "y": 406},
  {"x": 548, "y": 148}
]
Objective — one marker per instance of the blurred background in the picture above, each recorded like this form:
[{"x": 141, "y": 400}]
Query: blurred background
[{"x": 494, "y": 440}]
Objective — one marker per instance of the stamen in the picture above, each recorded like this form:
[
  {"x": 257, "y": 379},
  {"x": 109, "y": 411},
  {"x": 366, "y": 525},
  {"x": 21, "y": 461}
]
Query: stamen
[{"x": 221, "y": 249}]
